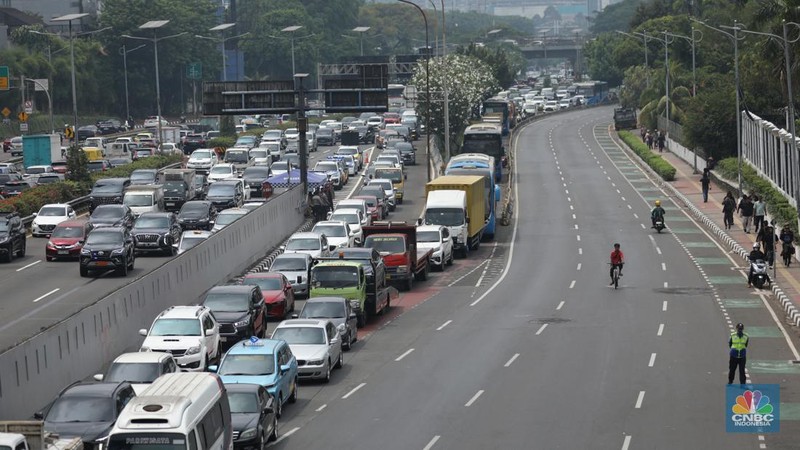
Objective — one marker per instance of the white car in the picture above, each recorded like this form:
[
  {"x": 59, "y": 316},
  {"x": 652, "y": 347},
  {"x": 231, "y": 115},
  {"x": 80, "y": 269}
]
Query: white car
[
  {"x": 375, "y": 121},
  {"x": 291, "y": 134},
  {"x": 309, "y": 243},
  {"x": 202, "y": 159},
  {"x": 273, "y": 148},
  {"x": 564, "y": 104},
  {"x": 221, "y": 172},
  {"x": 354, "y": 218},
  {"x": 152, "y": 122},
  {"x": 388, "y": 188},
  {"x": 190, "y": 239},
  {"x": 33, "y": 171},
  {"x": 227, "y": 217},
  {"x": 280, "y": 168},
  {"x": 49, "y": 216},
  {"x": 189, "y": 333},
  {"x": 551, "y": 106},
  {"x": 317, "y": 342},
  {"x": 529, "y": 110},
  {"x": 353, "y": 151},
  {"x": 338, "y": 233},
  {"x": 169, "y": 148},
  {"x": 436, "y": 237},
  {"x": 138, "y": 368},
  {"x": 357, "y": 204},
  {"x": 260, "y": 156}
]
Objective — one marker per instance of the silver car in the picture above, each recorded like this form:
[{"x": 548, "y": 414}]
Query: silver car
[
  {"x": 338, "y": 311},
  {"x": 296, "y": 267},
  {"x": 316, "y": 344}
]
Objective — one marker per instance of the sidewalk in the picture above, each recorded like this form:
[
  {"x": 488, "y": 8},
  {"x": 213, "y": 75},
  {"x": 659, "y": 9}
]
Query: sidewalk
[{"x": 786, "y": 285}]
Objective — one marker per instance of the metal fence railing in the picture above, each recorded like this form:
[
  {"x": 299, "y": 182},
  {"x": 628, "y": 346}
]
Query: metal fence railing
[{"x": 768, "y": 149}]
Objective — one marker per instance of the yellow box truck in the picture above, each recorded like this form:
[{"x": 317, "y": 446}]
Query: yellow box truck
[{"x": 459, "y": 203}]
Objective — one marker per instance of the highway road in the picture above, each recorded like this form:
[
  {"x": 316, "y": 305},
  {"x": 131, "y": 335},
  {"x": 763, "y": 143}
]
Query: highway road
[{"x": 530, "y": 347}]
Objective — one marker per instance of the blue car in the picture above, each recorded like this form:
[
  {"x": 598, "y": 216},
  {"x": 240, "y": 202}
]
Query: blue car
[{"x": 268, "y": 362}]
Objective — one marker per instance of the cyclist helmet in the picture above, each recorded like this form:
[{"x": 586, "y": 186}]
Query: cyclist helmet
[
  {"x": 658, "y": 202},
  {"x": 756, "y": 246},
  {"x": 616, "y": 245}
]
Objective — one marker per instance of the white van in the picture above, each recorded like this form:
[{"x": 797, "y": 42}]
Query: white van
[
  {"x": 176, "y": 412},
  {"x": 142, "y": 199}
]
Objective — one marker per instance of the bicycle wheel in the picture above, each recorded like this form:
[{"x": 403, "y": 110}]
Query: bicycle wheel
[{"x": 616, "y": 278}]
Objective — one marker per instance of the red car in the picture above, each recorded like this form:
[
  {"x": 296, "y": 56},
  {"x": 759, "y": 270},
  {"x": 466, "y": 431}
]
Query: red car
[
  {"x": 391, "y": 118},
  {"x": 374, "y": 210},
  {"x": 277, "y": 292},
  {"x": 67, "y": 239}
]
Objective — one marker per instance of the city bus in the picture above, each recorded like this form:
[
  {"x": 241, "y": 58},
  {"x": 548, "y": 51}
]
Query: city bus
[
  {"x": 593, "y": 91},
  {"x": 486, "y": 138},
  {"x": 481, "y": 165}
]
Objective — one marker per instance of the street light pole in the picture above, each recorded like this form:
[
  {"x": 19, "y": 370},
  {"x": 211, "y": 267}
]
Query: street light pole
[
  {"x": 644, "y": 41},
  {"x": 49, "y": 102},
  {"x": 223, "y": 41},
  {"x": 69, "y": 18},
  {"x": 124, "y": 52},
  {"x": 361, "y": 31},
  {"x": 292, "y": 29},
  {"x": 444, "y": 87},
  {"x": 694, "y": 74}
]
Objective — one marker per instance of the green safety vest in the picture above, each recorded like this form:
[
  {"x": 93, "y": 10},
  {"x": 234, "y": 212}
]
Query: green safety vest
[{"x": 739, "y": 343}]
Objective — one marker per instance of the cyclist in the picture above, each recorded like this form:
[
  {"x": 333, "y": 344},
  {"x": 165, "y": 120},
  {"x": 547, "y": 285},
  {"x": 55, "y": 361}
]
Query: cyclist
[
  {"x": 657, "y": 213},
  {"x": 617, "y": 260}
]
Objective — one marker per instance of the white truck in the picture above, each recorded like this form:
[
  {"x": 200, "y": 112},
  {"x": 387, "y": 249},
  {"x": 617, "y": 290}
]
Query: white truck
[
  {"x": 171, "y": 134},
  {"x": 146, "y": 198},
  {"x": 30, "y": 435},
  {"x": 448, "y": 208}
]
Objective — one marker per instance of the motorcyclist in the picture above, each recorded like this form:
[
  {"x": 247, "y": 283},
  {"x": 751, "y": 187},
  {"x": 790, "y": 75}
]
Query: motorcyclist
[
  {"x": 657, "y": 213},
  {"x": 755, "y": 255},
  {"x": 617, "y": 260}
]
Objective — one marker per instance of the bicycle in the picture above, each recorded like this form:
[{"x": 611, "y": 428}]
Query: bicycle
[{"x": 615, "y": 274}]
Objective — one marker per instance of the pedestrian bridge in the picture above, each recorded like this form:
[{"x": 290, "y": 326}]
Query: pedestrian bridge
[{"x": 563, "y": 49}]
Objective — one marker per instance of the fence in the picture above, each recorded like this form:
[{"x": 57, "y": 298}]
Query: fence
[{"x": 768, "y": 149}]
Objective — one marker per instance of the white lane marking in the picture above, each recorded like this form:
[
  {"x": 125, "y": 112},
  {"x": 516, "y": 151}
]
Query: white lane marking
[
  {"x": 664, "y": 266},
  {"x": 618, "y": 191},
  {"x": 560, "y": 305},
  {"x": 643, "y": 227},
  {"x": 580, "y": 251},
  {"x": 576, "y": 226},
  {"x": 441, "y": 327},
  {"x": 572, "y": 284},
  {"x": 652, "y": 360},
  {"x": 569, "y": 199},
  {"x": 539, "y": 331},
  {"x": 635, "y": 216},
  {"x": 579, "y": 237},
  {"x": 45, "y": 295},
  {"x": 474, "y": 398},
  {"x": 658, "y": 250},
  {"x": 792, "y": 348},
  {"x": 626, "y": 443},
  {"x": 639, "y": 400},
  {"x": 666, "y": 284},
  {"x": 286, "y": 435},
  {"x": 660, "y": 329},
  {"x": 623, "y": 199},
  {"x": 353, "y": 391},
  {"x": 572, "y": 208},
  {"x": 432, "y": 443},
  {"x": 468, "y": 273},
  {"x": 664, "y": 306},
  {"x": 29, "y": 265},
  {"x": 630, "y": 207},
  {"x": 574, "y": 217},
  {"x": 408, "y": 352},
  {"x": 321, "y": 408},
  {"x": 579, "y": 266},
  {"x": 511, "y": 361}
]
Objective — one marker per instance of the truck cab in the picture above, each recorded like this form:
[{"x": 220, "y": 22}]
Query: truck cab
[
  {"x": 341, "y": 279},
  {"x": 178, "y": 188},
  {"x": 397, "y": 244}
]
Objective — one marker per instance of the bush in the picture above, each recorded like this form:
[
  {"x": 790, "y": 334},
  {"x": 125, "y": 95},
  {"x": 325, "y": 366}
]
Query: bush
[
  {"x": 32, "y": 200},
  {"x": 224, "y": 142},
  {"x": 153, "y": 162},
  {"x": 657, "y": 163}
]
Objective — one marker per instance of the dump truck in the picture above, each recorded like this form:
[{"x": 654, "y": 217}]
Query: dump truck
[
  {"x": 397, "y": 244},
  {"x": 458, "y": 202},
  {"x": 624, "y": 118}
]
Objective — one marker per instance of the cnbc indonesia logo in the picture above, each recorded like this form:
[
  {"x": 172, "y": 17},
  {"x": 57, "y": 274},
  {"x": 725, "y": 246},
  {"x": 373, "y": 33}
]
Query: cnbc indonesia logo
[{"x": 753, "y": 411}]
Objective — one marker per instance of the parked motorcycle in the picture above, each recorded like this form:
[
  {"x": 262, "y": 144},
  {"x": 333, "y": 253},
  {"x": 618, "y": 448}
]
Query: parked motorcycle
[{"x": 760, "y": 271}]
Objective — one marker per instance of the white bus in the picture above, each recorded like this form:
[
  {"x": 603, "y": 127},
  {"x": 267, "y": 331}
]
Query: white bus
[{"x": 179, "y": 411}]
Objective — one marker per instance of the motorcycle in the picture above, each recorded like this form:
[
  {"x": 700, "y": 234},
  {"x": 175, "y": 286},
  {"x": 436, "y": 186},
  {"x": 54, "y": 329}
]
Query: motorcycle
[
  {"x": 760, "y": 271},
  {"x": 659, "y": 225}
]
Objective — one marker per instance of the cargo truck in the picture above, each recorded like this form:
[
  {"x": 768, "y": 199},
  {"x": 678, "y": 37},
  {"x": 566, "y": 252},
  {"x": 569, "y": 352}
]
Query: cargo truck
[
  {"x": 624, "y": 118},
  {"x": 178, "y": 188},
  {"x": 41, "y": 149},
  {"x": 30, "y": 435},
  {"x": 397, "y": 244},
  {"x": 458, "y": 202}
]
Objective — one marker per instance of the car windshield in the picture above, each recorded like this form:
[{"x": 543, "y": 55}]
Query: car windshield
[
  {"x": 288, "y": 264},
  {"x": 243, "y": 402},
  {"x": 303, "y": 244},
  {"x": 395, "y": 175},
  {"x": 142, "y": 176},
  {"x": 291, "y": 131},
  {"x": 448, "y": 217},
  {"x": 323, "y": 310},
  {"x": 227, "y": 218},
  {"x": 176, "y": 327},
  {"x": 330, "y": 230},
  {"x": 266, "y": 284},
  {"x": 347, "y": 151},
  {"x": 274, "y": 134},
  {"x": 81, "y": 409},
  {"x": 191, "y": 241},
  {"x": 132, "y": 372},
  {"x": 199, "y": 181},
  {"x": 256, "y": 172},
  {"x": 201, "y": 155},
  {"x": 237, "y": 157},
  {"x": 247, "y": 365},
  {"x": 152, "y": 222},
  {"x": 221, "y": 190},
  {"x": 301, "y": 335},
  {"x": 334, "y": 276},
  {"x": 134, "y": 200},
  {"x": 324, "y": 132},
  {"x": 280, "y": 165},
  {"x": 428, "y": 236},
  {"x": 221, "y": 170},
  {"x": 102, "y": 237},
  {"x": 326, "y": 167},
  {"x": 224, "y": 302},
  {"x": 143, "y": 440},
  {"x": 35, "y": 170},
  {"x": 386, "y": 244},
  {"x": 350, "y": 218},
  {"x": 67, "y": 232},
  {"x": 47, "y": 179},
  {"x": 113, "y": 212},
  {"x": 258, "y": 153},
  {"x": 194, "y": 209},
  {"x": 106, "y": 188},
  {"x": 374, "y": 190},
  {"x": 370, "y": 202},
  {"x": 52, "y": 211},
  {"x": 174, "y": 186}
]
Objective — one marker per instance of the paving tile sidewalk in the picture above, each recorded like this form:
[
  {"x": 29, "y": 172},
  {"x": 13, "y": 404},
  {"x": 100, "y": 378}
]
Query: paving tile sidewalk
[{"x": 687, "y": 183}]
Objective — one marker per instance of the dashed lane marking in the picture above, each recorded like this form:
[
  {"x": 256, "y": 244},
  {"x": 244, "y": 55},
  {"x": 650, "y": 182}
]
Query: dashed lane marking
[
  {"x": 511, "y": 361},
  {"x": 441, "y": 327}
]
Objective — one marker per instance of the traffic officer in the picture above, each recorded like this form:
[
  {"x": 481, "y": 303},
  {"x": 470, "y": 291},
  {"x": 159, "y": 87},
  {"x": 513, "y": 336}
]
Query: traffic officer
[{"x": 738, "y": 354}]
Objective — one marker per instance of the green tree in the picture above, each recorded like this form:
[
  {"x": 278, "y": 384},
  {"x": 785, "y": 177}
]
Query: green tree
[
  {"x": 505, "y": 63},
  {"x": 613, "y": 17},
  {"x": 77, "y": 165},
  {"x": 710, "y": 122}
]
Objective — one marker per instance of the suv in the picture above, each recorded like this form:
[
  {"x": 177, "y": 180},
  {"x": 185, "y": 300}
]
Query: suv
[
  {"x": 240, "y": 310},
  {"x": 108, "y": 191},
  {"x": 156, "y": 231},
  {"x": 107, "y": 248},
  {"x": 12, "y": 236},
  {"x": 227, "y": 194},
  {"x": 189, "y": 333}
]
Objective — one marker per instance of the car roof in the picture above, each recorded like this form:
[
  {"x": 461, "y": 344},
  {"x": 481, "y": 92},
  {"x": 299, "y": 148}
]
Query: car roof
[
  {"x": 91, "y": 389},
  {"x": 181, "y": 312},
  {"x": 330, "y": 222},
  {"x": 155, "y": 214},
  {"x": 236, "y": 211},
  {"x": 201, "y": 233},
  {"x": 142, "y": 357},
  {"x": 429, "y": 228},
  {"x": 305, "y": 234},
  {"x": 61, "y": 205},
  {"x": 264, "y": 346},
  {"x": 326, "y": 300},
  {"x": 232, "y": 289},
  {"x": 73, "y": 223},
  {"x": 293, "y": 323},
  {"x": 292, "y": 256},
  {"x": 264, "y": 275},
  {"x": 346, "y": 211}
]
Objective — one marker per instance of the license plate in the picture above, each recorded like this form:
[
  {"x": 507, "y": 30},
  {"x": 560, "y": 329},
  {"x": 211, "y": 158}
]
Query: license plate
[
  {"x": 101, "y": 263},
  {"x": 63, "y": 252},
  {"x": 170, "y": 203}
]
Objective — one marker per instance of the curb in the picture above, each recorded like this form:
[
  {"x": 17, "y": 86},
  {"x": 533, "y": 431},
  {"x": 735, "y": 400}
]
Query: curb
[{"x": 791, "y": 311}]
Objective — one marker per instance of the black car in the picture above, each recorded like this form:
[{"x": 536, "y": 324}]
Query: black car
[
  {"x": 156, "y": 232},
  {"x": 108, "y": 248},
  {"x": 193, "y": 142},
  {"x": 253, "y": 416},
  {"x": 197, "y": 215},
  {"x": 86, "y": 411},
  {"x": 254, "y": 176},
  {"x": 12, "y": 236},
  {"x": 112, "y": 216},
  {"x": 200, "y": 186},
  {"x": 87, "y": 131},
  {"x": 240, "y": 311},
  {"x": 325, "y": 136},
  {"x": 226, "y": 194},
  {"x": 108, "y": 191},
  {"x": 407, "y": 152},
  {"x": 366, "y": 135},
  {"x": 110, "y": 126},
  {"x": 14, "y": 188},
  {"x": 143, "y": 177},
  {"x": 99, "y": 165}
]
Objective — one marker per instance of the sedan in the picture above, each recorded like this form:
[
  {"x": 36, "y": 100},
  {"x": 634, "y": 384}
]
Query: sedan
[
  {"x": 338, "y": 233},
  {"x": 112, "y": 216},
  {"x": 316, "y": 344},
  {"x": 190, "y": 239},
  {"x": 49, "y": 216},
  {"x": 353, "y": 218},
  {"x": 227, "y": 217},
  {"x": 67, "y": 239},
  {"x": 14, "y": 188},
  {"x": 253, "y": 416},
  {"x": 221, "y": 172},
  {"x": 277, "y": 292},
  {"x": 336, "y": 309},
  {"x": 197, "y": 215}
]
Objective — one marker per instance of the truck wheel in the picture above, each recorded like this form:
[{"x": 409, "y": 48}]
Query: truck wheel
[{"x": 425, "y": 272}]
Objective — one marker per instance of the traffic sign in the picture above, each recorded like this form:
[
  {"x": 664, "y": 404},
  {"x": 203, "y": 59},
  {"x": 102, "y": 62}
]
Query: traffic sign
[
  {"x": 194, "y": 71},
  {"x": 28, "y": 107},
  {"x": 23, "y": 126},
  {"x": 6, "y": 112},
  {"x": 22, "y": 116},
  {"x": 4, "y": 80},
  {"x": 69, "y": 133}
]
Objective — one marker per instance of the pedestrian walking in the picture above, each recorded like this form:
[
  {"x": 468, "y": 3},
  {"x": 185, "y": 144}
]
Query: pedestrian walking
[
  {"x": 759, "y": 212},
  {"x": 768, "y": 240},
  {"x": 643, "y": 133},
  {"x": 746, "y": 211},
  {"x": 649, "y": 140},
  {"x": 738, "y": 354},
  {"x": 787, "y": 250},
  {"x": 728, "y": 208},
  {"x": 662, "y": 140},
  {"x": 319, "y": 207},
  {"x": 710, "y": 163},
  {"x": 705, "y": 182}
]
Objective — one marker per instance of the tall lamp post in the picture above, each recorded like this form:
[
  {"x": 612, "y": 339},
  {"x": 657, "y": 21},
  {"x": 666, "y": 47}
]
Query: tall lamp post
[
  {"x": 435, "y": 26},
  {"x": 444, "y": 87},
  {"x": 222, "y": 40},
  {"x": 644, "y": 37},
  {"x": 694, "y": 72},
  {"x": 155, "y": 25},
  {"x": 736, "y": 38},
  {"x": 361, "y": 31},
  {"x": 69, "y": 18},
  {"x": 292, "y": 29},
  {"x": 666, "y": 41},
  {"x": 124, "y": 52}
]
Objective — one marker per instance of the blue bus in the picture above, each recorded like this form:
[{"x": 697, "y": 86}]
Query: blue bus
[
  {"x": 593, "y": 91},
  {"x": 481, "y": 165},
  {"x": 501, "y": 111},
  {"x": 486, "y": 138}
]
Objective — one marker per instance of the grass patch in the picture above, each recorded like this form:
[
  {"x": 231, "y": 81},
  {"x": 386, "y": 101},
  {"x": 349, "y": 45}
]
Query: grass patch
[{"x": 656, "y": 162}]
